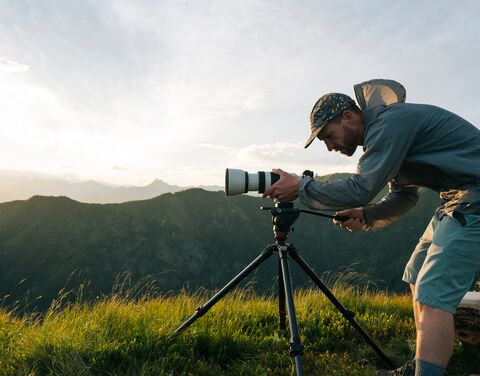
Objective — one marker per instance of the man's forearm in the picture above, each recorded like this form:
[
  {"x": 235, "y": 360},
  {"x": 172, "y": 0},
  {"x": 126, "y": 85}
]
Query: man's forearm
[
  {"x": 390, "y": 208},
  {"x": 356, "y": 192},
  {"x": 351, "y": 192}
]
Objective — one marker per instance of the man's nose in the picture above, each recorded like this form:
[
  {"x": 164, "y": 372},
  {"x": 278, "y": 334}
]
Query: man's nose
[{"x": 329, "y": 145}]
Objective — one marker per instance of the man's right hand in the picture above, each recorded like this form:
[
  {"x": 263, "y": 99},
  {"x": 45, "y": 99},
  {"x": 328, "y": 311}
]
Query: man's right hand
[
  {"x": 285, "y": 189},
  {"x": 356, "y": 219}
]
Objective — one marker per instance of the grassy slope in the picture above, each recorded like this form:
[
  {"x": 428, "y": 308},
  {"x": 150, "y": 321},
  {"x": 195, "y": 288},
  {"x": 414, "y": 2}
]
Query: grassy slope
[{"x": 238, "y": 336}]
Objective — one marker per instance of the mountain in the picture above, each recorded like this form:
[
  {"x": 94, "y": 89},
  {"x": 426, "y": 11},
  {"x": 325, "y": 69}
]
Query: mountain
[
  {"x": 18, "y": 186},
  {"x": 187, "y": 239}
]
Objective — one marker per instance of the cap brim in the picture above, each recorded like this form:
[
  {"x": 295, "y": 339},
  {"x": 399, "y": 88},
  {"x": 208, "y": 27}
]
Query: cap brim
[{"x": 313, "y": 136}]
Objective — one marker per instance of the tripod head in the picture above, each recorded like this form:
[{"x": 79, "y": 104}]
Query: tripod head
[{"x": 284, "y": 215}]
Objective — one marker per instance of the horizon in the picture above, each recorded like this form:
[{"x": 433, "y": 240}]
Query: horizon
[
  {"x": 126, "y": 92},
  {"x": 76, "y": 180}
]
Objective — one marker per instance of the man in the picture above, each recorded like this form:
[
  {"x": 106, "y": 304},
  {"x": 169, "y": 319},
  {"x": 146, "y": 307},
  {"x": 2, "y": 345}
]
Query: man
[{"x": 405, "y": 146}]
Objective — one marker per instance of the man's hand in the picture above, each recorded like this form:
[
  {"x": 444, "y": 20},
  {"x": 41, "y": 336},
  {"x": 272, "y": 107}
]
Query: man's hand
[
  {"x": 285, "y": 189},
  {"x": 355, "y": 222}
]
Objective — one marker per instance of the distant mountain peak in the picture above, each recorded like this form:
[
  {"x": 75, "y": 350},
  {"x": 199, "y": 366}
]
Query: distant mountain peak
[{"x": 159, "y": 183}]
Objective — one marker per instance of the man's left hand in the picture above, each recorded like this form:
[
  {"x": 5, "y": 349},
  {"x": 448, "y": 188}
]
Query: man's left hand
[
  {"x": 285, "y": 189},
  {"x": 356, "y": 219}
]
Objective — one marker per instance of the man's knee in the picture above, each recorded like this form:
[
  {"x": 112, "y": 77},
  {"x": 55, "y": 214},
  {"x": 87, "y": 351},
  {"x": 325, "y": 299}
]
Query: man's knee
[{"x": 433, "y": 315}]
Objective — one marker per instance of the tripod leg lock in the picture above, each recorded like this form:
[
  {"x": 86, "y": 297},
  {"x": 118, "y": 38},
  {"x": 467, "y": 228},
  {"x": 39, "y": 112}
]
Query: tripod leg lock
[
  {"x": 296, "y": 349},
  {"x": 200, "y": 311}
]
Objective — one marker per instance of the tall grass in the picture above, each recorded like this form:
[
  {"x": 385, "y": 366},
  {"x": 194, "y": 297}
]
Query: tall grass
[{"x": 127, "y": 333}]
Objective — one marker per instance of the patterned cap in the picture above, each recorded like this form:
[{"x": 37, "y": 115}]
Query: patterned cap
[{"x": 327, "y": 108}]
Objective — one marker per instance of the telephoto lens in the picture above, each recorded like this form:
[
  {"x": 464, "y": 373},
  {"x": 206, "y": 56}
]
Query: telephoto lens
[{"x": 240, "y": 181}]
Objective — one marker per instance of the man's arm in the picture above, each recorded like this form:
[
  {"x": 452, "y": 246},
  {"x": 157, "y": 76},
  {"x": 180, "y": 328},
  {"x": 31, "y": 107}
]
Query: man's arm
[
  {"x": 398, "y": 201},
  {"x": 390, "y": 208}
]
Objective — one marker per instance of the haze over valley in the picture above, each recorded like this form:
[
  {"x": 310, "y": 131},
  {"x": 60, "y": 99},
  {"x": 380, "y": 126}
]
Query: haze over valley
[{"x": 21, "y": 186}]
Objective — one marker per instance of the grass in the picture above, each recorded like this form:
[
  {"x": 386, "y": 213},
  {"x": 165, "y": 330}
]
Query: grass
[{"x": 116, "y": 335}]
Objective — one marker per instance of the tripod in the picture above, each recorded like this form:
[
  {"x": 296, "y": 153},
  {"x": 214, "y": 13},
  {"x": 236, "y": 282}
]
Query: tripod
[{"x": 283, "y": 217}]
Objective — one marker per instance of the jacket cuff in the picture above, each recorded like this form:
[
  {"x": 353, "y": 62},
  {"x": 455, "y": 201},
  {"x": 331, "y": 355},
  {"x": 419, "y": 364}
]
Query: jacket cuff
[{"x": 369, "y": 219}]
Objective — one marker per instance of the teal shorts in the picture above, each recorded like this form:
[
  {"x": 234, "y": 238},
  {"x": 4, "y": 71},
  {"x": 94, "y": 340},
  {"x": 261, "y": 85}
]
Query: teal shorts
[{"x": 443, "y": 265}]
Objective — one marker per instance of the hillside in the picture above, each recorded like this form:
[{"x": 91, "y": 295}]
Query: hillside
[{"x": 188, "y": 239}]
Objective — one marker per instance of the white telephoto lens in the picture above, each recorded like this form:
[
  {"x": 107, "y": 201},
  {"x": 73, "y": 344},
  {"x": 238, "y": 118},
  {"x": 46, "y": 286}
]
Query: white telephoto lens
[
  {"x": 236, "y": 181},
  {"x": 239, "y": 181}
]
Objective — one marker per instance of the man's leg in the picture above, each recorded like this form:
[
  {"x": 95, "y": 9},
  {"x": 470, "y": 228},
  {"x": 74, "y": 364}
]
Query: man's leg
[
  {"x": 447, "y": 272},
  {"x": 435, "y": 333},
  {"x": 434, "y": 326},
  {"x": 435, "y": 337}
]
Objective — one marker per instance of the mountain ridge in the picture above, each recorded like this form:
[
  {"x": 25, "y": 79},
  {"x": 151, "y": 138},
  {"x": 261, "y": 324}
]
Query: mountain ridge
[
  {"x": 187, "y": 239},
  {"x": 23, "y": 186}
]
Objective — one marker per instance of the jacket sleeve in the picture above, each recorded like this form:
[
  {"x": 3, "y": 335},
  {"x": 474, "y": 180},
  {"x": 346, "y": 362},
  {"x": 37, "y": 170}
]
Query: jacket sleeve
[{"x": 398, "y": 201}]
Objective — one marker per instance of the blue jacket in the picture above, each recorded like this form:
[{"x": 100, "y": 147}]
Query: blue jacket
[{"x": 406, "y": 145}]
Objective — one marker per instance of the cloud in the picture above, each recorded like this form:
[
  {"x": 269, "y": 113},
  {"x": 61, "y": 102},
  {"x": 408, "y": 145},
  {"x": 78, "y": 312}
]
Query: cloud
[
  {"x": 181, "y": 90},
  {"x": 279, "y": 152},
  {"x": 292, "y": 157},
  {"x": 12, "y": 66},
  {"x": 119, "y": 168},
  {"x": 221, "y": 148}
]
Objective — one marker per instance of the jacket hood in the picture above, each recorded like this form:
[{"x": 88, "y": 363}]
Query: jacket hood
[{"x": 378, "y": 92}]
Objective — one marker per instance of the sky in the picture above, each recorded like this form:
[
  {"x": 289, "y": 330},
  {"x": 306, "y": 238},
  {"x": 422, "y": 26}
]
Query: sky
[{"x": 128, "y": 91}]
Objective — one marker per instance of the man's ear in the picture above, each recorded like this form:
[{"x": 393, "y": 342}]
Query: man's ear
[{"x": 347, "y": 114}]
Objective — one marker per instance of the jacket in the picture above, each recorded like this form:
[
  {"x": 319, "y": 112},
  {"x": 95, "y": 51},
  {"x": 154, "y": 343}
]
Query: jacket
[{"x": 406, "y": 146}]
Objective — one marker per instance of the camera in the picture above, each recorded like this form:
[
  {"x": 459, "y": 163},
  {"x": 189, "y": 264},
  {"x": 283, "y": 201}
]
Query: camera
[{"x": 240, "y": 181}]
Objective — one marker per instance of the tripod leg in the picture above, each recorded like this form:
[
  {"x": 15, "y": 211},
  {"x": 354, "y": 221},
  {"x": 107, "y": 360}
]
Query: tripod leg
[
  {"x": 200, "y": 311},
  {"x": 296, "y": 348},
  {"x": 282, "y": 324},
  {"x": 349, "y": 315}
]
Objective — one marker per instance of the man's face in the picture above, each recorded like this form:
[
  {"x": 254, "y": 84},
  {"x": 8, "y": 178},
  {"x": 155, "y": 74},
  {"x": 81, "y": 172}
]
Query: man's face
[{"x": 340, "y": 137}]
